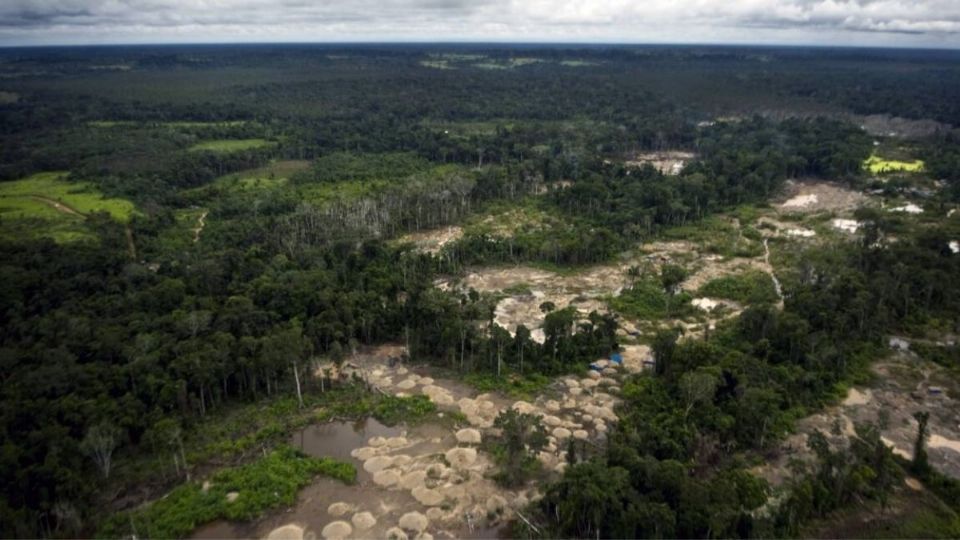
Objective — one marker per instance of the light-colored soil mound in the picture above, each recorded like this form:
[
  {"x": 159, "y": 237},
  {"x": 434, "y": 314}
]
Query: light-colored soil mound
[
  {"x": 363, "y": 521},
  {"x": 414, "y": 521},
  {"x": 286, "y": 532},
  {"x": 337, "y": 529}
]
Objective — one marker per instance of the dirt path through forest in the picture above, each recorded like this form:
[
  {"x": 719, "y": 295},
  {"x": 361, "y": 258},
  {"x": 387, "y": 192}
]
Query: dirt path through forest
[
  {"x": 58, "y": 206},
  {"x": 201, "y": 223}
]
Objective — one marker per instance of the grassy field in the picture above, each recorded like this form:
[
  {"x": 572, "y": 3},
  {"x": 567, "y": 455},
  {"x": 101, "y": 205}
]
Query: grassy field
[
  {"x": 750, "y": 287},
  {"x": 51, "y": 189},
  {"x": 47, "y": 205},
  {"x": 230, "y": 145},
  {"x": 174, "y": 125},
  {"x": 271, "y": 176},
  {"x": 878, "y": 165}
]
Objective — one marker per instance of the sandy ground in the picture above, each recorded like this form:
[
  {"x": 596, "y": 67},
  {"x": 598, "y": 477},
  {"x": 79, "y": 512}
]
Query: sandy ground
[
  {"x": 433, "y": 479},
  {"x": 811, "y": 196},
  {"x": 201, "y": 223},
  {"x": 669, "y": 162},
  {"x": 902, "y": 388},
  {"x": 433, "y": 240}
]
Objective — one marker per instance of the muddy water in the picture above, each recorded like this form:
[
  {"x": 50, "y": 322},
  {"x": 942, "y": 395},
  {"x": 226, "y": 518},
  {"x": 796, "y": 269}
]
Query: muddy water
[{"x": 338, "y": 439}]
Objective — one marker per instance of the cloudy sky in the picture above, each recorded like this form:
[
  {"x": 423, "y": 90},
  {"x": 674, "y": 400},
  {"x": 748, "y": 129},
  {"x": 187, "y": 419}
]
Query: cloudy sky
[{"x": 916, "y": 23}]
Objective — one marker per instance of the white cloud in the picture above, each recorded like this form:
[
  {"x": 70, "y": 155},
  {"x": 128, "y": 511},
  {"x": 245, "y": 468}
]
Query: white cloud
[{"x": 844, "y": 22}]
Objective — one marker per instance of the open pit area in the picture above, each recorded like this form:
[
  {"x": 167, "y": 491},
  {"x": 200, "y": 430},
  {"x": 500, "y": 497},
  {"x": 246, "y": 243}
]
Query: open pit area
[
  {"x": 433, "y": 480},
  {"x": 669, "y": 162},
  {"x": 903, "y": 384}
]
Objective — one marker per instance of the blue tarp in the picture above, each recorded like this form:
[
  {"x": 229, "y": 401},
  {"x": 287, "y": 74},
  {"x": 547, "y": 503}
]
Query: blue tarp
[
  {"x": 596, "y": 367},
  {"x": 616, "y": 357}
]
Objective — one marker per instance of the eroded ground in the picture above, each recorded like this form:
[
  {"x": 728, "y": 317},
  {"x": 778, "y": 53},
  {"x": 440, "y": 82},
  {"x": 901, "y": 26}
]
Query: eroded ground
[
  {"x": 433, "y": 480},
  {"x": 904, "y": 384}
]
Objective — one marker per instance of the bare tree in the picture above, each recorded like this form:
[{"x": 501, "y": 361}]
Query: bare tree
[{"x": 99, "y": 444}]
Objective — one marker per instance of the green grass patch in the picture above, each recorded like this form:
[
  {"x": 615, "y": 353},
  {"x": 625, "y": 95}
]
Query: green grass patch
[
  {"x": 512, "y": 384},
  {"x": 230, "y": 145},
  {"x": 647, "y": 300},
  {"x": 878, "y": 165},
  {"x": 578, "y": 63},
  {"x": 264, "y": 484},
  {"x": 750, "y": 287},
  {"x": 52, "y": 187},
  {"x": 186, "y": 124}
]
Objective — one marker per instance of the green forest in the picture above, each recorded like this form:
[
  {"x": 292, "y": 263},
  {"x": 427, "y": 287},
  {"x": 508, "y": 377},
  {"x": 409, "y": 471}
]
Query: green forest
[{"x": 197, "y": 247}]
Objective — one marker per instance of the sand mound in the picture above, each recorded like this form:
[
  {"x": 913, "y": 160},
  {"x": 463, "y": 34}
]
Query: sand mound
[
  {"x": 461, "y": 458},
  {"x": 561, "y": 433},
  {"x": 427, "y": 496},
  {"x": 413, "y": 479},
  {"x": 363, "y": 521},
  {"x": 287, "y": 532},
  {"x": 396, "y": 533},
  {"x": 406, "y": 384},
  {"x": 396, "y": 442},
  {"x": 377, "y": 463},
  {"x": 496, "y": 504},
  {"x": 232, "y": 496},
  {"x": 580, "y": 434},
  {"x": 437, "y": 394},
  {"x": 337, "y": 529},
  {"x": 414, "y": 521},
  {"x": 468, "y": 436},
  {"x": 523, "y": 407},
  {"x": 364, "y": 453},
  {"x": 386, "y": 477},
  {"x": 338, "y": 509}
]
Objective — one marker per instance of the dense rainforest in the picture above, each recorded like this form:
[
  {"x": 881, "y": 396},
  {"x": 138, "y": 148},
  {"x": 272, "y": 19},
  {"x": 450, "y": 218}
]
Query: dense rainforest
[{"x": 218, "y": 288}]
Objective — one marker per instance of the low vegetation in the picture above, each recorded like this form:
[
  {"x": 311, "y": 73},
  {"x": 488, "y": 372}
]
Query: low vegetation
[{"x": 240, "y": 493}]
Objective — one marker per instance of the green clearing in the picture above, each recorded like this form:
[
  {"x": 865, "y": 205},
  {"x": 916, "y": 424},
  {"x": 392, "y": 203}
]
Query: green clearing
[
  {"x": 266, "y": 483},
  {"x": 878, "y": 165},
  {"x": 436, "y": 64},
  {"x": 271, "y": 176},
  {"x": 509, "y": 63},
  {"x": 230, "y": 145},
  {"x": 750, "y": 287},
  {"x": 647, "y": 300},
  {"x": 175, "y": 124},
  {"x": 24, "y": 199},
  {"x": 578, "y": 63}
]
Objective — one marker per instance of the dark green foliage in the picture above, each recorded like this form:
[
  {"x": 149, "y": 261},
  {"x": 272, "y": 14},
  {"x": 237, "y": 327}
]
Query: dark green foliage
[
  {"x": 752, "y": 287},
  {"x": 393, "y": 410},
  {"x": 521, "y": 439}
]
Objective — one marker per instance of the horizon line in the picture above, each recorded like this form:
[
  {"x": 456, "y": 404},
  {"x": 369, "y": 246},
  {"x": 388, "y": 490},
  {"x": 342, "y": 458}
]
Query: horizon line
[{"x": 573, "y": 44}]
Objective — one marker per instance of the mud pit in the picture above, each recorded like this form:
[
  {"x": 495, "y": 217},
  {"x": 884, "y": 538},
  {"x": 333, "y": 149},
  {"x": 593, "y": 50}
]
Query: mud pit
[
  {"x": 432, "y": 241},
  {"x": 433, "y": 478},
  {"x": 669, "y": 162},
  {"x": 583, "y": 290},
  {"x": 807, "y": 196},
  {"x": 905, "y": 385}
]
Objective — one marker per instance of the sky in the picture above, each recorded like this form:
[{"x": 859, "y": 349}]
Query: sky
[{"x": 892, "y": 23}]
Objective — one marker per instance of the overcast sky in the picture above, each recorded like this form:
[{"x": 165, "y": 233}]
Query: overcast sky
[{"x": 923, "y": 23}]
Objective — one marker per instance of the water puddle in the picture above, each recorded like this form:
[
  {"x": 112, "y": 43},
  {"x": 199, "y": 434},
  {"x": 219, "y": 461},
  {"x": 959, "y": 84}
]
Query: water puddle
[{"x": 337, "y": 439}]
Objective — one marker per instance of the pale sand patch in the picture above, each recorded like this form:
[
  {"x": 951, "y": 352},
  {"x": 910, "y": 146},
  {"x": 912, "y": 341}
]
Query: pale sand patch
[
  {"x": 580, "y": 434},
  {"x": 561, "y": 433},
  {"x": 913, "y": 483},
  {"x": 413, "y": 521},
  {"x": 286, "y": 532},
  {"x": 427, "y": 496},
  {"x": 363, "y": 453},
  {"x": 908, "y": 208},
  {"x": 377, "y": 463},
  {"x": 939, "y": 441},
  {"x": 337, "y": 529},
  {"x": 232, "y": 496},
  {"x": 461, "y": 458},
  {"x": 801, "y": 233},
  {"x": 338, "y": 509},
  {"x": 413, "y": 479},
  {"x": 856, "y": 397},
  {"x": 496, "y": 503},
  {"x": 396, "y": 533},
  {"x": 468, "y": 436},
  {"x": 386, "y": 477},
  {"x": 800, "y": 201},
  {"x": 363, "y": 521},
  {"x": 523, "y": 407},
  {"x": 845, "y": 225}
]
